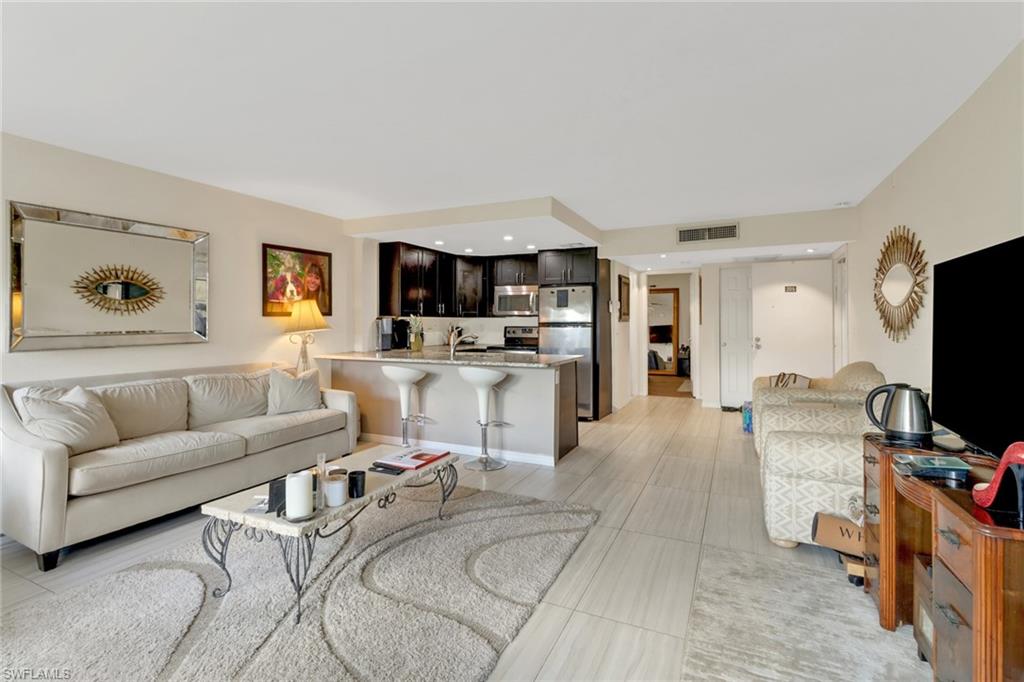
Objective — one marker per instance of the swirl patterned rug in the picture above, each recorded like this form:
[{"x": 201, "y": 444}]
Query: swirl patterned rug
[{"x": 399, "y": 595}]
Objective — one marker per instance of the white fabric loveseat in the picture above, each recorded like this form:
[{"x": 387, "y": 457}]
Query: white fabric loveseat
[{"x": 182, "y": 438}]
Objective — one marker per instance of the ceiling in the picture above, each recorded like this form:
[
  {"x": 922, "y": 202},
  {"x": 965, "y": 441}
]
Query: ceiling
[
  {"x": 655, "y": 263},
  {"x": 630, "y": 114},
  {"x": 488, "y": 239}
]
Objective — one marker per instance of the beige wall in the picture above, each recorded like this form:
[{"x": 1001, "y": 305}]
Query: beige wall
[
  {"x": 622, "y": 375},
  {"x": 960, "y": 190},
  {"x": 42, "y": 174}
]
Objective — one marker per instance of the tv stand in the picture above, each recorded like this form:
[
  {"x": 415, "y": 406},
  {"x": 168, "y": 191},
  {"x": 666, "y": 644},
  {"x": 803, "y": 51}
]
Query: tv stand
[{"x": 977, "y": 608}]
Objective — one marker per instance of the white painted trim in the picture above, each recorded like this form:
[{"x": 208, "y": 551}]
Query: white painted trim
[
  {"x": 462, "y": 450},
  {"x": 711, "y": 405}
]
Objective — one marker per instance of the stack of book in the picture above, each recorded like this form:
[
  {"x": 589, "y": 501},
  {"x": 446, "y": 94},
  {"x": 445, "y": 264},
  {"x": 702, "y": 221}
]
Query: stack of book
[
  {"x": 407, "y": 461},
  {"x": 931, "y": 466}
]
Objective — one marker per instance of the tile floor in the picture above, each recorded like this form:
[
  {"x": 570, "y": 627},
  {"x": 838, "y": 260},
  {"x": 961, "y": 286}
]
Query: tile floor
[{"x": 667, "y": 476}]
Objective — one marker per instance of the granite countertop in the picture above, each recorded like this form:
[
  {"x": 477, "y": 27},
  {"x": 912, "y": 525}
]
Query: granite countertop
[{"x": 438, "y": 355}]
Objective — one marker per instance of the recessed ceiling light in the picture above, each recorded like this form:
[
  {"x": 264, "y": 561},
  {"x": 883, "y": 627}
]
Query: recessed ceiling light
[
  {"x": 842, "y": 204},
  {"x": 438, "y": 242},
  {"x": 469, "y": 250},
  {"x": 648, "y": 269},
  {"x": 508, "y": 237},
  {"x": 810, "y": 250},
  {"x": 531, "y": 246},
  {"x": 663, "y": 256}
]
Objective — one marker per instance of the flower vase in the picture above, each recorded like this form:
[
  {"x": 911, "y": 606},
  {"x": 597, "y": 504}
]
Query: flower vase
[{"x": 416, "y": 343}]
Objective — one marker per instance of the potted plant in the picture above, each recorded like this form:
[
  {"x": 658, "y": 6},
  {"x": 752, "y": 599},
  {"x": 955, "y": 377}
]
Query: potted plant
[{"x": 415, "y": 333}]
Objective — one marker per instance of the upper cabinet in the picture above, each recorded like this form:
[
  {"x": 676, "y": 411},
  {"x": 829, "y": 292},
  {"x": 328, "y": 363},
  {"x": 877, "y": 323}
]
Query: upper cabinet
[
  {"x": 513, "y": 270},
  {"x": 568, "y": 266},
  {"x": 418, "y": 281}
]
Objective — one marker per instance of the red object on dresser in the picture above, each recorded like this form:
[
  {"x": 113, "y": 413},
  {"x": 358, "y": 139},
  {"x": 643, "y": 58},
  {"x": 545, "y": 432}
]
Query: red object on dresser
[{"x": 985, "y": 494}]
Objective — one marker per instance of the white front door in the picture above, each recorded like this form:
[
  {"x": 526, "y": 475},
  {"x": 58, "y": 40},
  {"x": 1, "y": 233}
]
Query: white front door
[
  {"x": 735, "y": 336},
  {"x": 792, "y": 313}
]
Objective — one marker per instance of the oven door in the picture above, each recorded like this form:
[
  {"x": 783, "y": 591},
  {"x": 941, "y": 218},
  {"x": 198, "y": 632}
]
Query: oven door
[{"x": 515, "y": 301}]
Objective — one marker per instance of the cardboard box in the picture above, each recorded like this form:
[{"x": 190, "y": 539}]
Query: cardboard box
[{"x": 838, "y": 533}]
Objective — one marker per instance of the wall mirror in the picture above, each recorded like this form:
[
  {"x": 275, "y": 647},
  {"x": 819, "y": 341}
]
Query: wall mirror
[
  {"x": 662, "y": 330},
  {"x": 900, "y": 275},
  {"x": 80, "y": 280}
]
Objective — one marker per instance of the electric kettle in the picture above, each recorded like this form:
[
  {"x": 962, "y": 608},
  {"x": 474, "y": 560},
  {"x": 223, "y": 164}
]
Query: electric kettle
[{"x": 905, "y": 416}]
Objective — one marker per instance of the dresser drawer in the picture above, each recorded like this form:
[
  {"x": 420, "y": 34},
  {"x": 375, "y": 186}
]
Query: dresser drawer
[
  {"x": 952, "y": 614},
  {"x": 953, "y": 543}
]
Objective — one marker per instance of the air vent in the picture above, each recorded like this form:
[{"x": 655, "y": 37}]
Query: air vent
[{"x": 703, "y": 234}]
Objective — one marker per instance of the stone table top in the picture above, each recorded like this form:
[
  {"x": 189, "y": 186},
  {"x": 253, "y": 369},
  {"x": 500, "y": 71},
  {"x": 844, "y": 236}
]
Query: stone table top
[
  {"x": 439, "y": 355},
  {"x": 232, "y": 508}
]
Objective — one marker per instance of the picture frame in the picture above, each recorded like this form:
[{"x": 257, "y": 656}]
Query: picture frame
[
  {"x": 289, "y": 274},
  {"x": 623, "y": 298}
]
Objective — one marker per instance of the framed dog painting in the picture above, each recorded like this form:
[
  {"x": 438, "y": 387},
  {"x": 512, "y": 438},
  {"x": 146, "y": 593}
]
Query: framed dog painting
[{"x": 291, "y": 274}]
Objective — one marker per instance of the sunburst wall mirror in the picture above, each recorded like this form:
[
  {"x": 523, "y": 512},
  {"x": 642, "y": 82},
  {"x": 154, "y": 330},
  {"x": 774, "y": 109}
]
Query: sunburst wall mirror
[
  {"x": 121, "y": 289},
  {"x": 900, "y": 277}
]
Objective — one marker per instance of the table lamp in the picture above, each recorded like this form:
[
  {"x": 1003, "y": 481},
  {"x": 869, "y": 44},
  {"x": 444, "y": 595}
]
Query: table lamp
[{"x": 305, "y": 320}]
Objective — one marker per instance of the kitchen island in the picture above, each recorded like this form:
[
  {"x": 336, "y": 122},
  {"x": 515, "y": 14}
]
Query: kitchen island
[{"x": 537, "y": 400}]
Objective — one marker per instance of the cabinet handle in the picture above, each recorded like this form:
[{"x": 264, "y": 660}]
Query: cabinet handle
[
  {"x": 870, "y": 559},
  {"x": 870, "y": 459},
  {"x": 950, "y": 536},
  {"x": 871, "y": 509},
  {"x": 951, "y": 615}
]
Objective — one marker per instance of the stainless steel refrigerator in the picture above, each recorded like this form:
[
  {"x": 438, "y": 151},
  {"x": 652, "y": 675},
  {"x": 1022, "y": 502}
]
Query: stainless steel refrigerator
[{"x": 575, "y": 320}]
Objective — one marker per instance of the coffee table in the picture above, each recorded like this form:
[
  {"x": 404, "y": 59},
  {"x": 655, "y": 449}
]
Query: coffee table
[{"x": 298, "y": 540}]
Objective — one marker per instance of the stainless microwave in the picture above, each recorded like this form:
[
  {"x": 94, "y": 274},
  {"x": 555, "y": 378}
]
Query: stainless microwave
[{"x": 518, "y": 300}]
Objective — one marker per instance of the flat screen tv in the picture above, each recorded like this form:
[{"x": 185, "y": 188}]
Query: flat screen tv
[{"x": 978, "y": 348}]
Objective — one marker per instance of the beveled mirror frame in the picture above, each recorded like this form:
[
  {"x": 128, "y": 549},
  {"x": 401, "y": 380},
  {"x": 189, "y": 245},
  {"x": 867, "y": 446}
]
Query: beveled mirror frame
[
  {"x": 19, "y": 340},
  {"x": 901, "y": 246}
]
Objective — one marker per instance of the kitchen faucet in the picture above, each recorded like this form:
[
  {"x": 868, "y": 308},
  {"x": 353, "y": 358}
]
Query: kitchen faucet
[{"x": 456, "y": 340}]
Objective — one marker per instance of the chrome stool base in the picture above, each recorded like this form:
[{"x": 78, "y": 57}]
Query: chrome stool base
[{"x": 485, "y": 462}]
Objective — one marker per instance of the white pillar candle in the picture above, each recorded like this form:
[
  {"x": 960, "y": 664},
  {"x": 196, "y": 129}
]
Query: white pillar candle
[{"x": 298, "y": 495}]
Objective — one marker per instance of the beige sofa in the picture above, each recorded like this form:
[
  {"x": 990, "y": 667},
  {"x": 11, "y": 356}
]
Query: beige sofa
[
  {"x": 809, "y": 443},
  {"x": 186, "y": 437}
]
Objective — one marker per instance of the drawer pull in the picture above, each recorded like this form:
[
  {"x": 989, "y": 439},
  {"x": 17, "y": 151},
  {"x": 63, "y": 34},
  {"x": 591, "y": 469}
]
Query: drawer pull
[
  {"x": 951, "y": 615},
  {"x": 870, "y": 560},
  {"x": 950, "y": 536},
  {"x": 871, "y": 509},
  {"x": 870, "y": 459}
]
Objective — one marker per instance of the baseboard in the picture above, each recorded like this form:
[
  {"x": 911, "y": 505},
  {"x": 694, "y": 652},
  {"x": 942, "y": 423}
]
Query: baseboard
[
  {"x": 711, "y": 404},
  {"x": 462, "y": 450}
]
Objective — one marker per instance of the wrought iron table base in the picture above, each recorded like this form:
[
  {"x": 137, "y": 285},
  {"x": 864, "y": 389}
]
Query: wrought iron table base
[{"x": 297, "y": 551}]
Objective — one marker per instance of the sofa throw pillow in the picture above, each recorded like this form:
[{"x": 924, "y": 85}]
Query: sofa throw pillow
[
  {"x": 790, "y": 380},
  {"x": 142, "y": 408},
  {"x": 290, "y": 393},
  {"x": 214, "y": 398},
  {"x": 77, "y": 419}
]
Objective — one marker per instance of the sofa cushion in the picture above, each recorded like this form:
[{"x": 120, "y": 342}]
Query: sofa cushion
[
  {"x": 826, "y": 457},
  {"x": 271, "y": 431},
  {"x": 150, "y": 457},
  {"x": 857, "y": 376},
  {"x": 214, "y": 398},
  {"x": 142, "y": 408},
  {"x": 77, "y": 419},
  {"x": 290, "y": 393}
]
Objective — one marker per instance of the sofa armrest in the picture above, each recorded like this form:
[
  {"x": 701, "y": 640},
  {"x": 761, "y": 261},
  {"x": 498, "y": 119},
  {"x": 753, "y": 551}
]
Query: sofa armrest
[
  {"x": 344, "y": 401},
  {"x": 34, "y": 487}
]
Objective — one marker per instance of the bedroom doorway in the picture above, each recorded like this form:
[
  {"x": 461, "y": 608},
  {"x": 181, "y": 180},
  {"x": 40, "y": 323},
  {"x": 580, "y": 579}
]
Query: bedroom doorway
[{"x": 667, "y": 366}]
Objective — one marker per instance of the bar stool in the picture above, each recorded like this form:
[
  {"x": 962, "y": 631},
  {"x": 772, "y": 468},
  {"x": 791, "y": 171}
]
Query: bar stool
[
  {"x": 405, "y": 377},
  {"x": 483, "y": 380}
]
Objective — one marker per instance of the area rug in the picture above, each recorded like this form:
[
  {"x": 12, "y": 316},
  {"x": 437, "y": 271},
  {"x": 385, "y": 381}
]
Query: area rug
[
  {"x": 399, "y": 595},
  {"x": 760, "y": 618}
]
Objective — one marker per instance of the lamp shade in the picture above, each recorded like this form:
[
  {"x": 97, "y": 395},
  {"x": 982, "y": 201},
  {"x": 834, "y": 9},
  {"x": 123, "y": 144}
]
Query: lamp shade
[{"x": 306, "y": 317}]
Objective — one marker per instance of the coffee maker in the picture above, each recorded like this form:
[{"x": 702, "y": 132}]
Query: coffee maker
[{"x": 392, "y": 333}]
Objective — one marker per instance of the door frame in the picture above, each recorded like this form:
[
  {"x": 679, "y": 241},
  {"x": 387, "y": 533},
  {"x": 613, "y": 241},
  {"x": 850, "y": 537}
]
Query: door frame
[{"x": 675, "y": 329}]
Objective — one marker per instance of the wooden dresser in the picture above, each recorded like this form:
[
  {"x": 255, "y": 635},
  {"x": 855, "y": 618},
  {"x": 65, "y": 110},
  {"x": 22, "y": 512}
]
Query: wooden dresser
[{"x": 977, "y": 566}]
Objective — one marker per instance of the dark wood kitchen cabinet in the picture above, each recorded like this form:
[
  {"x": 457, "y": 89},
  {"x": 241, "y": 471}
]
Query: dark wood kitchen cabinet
[
  {"x": 515, "y": 270},
  {"x": 417, "y": 281},
  {"x": 408, "y": 279},
  {"x": 470, "y": 298},
  {"x": 567, "y": 266}
]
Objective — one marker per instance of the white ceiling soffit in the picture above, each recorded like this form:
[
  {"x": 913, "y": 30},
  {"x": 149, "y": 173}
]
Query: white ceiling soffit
[
  {"x": 675, "y": 261},
  {"x": 630, "y": 113}
]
